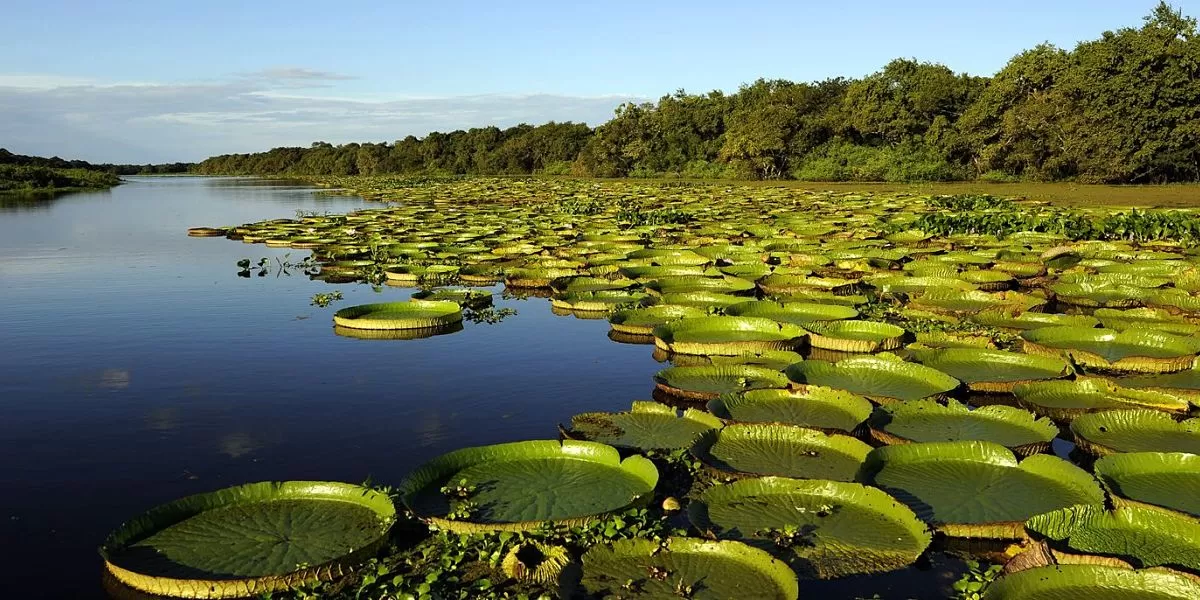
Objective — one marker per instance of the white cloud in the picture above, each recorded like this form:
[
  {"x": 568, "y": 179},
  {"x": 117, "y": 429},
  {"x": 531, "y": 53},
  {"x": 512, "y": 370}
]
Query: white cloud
[{"x": 166, "y": 122}]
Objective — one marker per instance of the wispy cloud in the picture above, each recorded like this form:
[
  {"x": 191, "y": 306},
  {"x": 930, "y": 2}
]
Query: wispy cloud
[{"x": 163, "y": 122}]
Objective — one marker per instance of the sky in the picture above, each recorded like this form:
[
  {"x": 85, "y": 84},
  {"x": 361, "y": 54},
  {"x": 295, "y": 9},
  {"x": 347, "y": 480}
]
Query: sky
[{"x": 139, "y": 81}]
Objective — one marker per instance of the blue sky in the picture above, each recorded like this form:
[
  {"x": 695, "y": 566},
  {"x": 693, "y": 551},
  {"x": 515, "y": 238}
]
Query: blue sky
[{"x": 163, "y": 81}]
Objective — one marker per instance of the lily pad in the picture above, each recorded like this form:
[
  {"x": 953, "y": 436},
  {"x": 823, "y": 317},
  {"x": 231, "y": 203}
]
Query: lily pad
[
  {"x": 646, "y": 426},
  {"x": 685, "y": 568},
  {"x": 249, "y": 539},
  {"x": 704, "y": 383},
  {"x": 642, "y": 321},
  {"x": 1133, "y": 350},
  {"x": 1114, "y": 431},
  {"x": 993, "y": 371},
  {"x": 520, "y": 485},
  {"x": 823, "y": 529},
  {"x": 928, "y": 421},
  {"x": 798, "y": 313},
  {"x": 884, "y": 378},
  {"x": 1151, "y": 537},
  {"x": 784, "y": 450},
  {"x": 414, "y": 314},
  {"x": 855, "y": 336},
  {"x": 977, "y": 489},
  {"x": 815, "y": 407},
  {"x": 1065, "y": 400},
  {"x": 1022, "y": 321},
  {"x": 1169, "y": 480},
  {"x": 1064, "y": 582},
  {"x": 726, "y": 335}
]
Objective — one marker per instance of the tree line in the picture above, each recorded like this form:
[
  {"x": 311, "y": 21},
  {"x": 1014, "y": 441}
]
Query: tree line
[
  {"x": 55, "y": 163},
  {"x": 1123, "y": 108}
]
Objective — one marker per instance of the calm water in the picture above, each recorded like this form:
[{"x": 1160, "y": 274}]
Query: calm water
[{"x": 139, "y": 368}]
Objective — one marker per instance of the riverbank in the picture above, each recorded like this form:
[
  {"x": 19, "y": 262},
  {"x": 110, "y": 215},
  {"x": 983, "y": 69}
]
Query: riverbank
[{"x": 37, "y": 180}]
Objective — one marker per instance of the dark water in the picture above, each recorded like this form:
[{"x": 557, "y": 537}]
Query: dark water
[{"x": 138, "y": 367}]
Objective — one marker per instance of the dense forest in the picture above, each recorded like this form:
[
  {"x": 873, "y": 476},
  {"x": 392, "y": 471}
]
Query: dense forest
[
  {"x": 1124, "y": 108},
  {"x": 56, "y": 163}
]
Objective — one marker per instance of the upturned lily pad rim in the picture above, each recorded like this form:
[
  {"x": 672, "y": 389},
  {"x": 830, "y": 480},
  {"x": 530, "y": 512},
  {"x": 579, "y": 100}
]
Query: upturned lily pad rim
[
  {"x": 940, "y": 383},
  {"x": 1052, "y": 582},
  {"x": 447, "y": 465},
  {"x": 413, "y": 314},
  {"x": 171, "y": 513},
  {"x": 1041, "y": 430},
  {"x": 1089, "y": 429}
]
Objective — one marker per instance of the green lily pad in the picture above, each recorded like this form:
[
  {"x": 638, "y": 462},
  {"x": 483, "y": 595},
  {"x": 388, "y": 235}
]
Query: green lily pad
[
  {"x": 1169, "y": 480},
  {"x": 855, "y": 336},
  {"x": 1151, "y": 537},
  {"x": 977, "y": 489},
  {"x": 882, "y": 377},
  {"x": 520, "y": 485},
  {"x": 798, "y": 313},
  {"x": 1065, "y": 400},
  {"x": 784, "y": 450},
  {"x": 815, "y": 407},
  {"x": 928, "y": 421},
  {"x": 996, "y": 371},
  {"x": 414, "y": 314},
  {"x": 1133, "y": 350},
  {"x": 704, "y": 383},
  {"x": 685, "y": 568},
  {"x": 646, "y": 426},
  {"x": 726, "y": 335},
  {"x": 1065, "y": 582},
  {"x": 1022, "y": 321},
  {"x": 642, "y": 321},
  {"x": 823, "y": 529},
  {"x": 249, "y": 539},
  {"x": 1115, "y": 431}
]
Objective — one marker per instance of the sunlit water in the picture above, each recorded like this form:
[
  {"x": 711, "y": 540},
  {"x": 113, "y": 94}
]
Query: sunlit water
[{"x": 138, "y": 368}]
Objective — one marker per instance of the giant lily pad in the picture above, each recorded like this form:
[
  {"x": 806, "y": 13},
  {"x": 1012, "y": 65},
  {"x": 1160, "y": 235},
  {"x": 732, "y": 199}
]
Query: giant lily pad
[
  {"x": 1065, "y": 582},
  {"x": 1151, "y": 537},
  {"x": 1065, "y": 400},
  {"x": 824, "y": 529},
  {"x": 685, "y": 568},
  {"x": 929, "y": 421},
  {"x": 1021, "y": 321},
  {"x": 993, "y": 371},
  {"x": 976, "y": 489},
  {"x": 647, "y": 426},
  {"x": 704, "y": 383},
  {"x": 520, "y": 485},
  {"x": 414, "y": 314},
  {"x": 798, "y": 313},
  {"x": 855, "y": 336},
  {"x": 598, "y": 301},
  {"x": 1115, "y": 431},
  {"x": 249, "y": 539},
  {"x": 1166, "y": 479},
  {"x": 815, "y": 407},
  {"x": 642, "y": 321},
  {"x": 726, "y": 335},
  {"x": 884, "y": 378},
  {"x": 954, "y": 301},
  {"x": 1133, "y": 350},
  {"x": 784, "y": 450}
]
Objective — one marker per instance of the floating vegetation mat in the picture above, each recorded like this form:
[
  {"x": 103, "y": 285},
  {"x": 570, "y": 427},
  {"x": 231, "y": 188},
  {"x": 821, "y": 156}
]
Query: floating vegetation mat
[{"x": 845, "y": 374}]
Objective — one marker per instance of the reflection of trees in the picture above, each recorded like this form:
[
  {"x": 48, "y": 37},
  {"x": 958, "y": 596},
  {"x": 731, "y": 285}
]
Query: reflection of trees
[{"x": 14, "y": 202}]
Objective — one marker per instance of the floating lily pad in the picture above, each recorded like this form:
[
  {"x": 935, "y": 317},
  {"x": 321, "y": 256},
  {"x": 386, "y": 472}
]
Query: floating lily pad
[
  {"x": 642, "y": 321},
  {"x": 1115, "y": 431},
  {"x": 1133, "y": 350},
  {"x": 954, "y": 301},
  {"x": 815, "y": 407},
  {"x": 884, "y": 378},
  {"x": 784, "y": 450},
  {"x": 704, "y": 383},
  {"x": 993, "y": 371},
  {"x": 1064, "y": 582},
  {"x": 598, "y": 301},
  {"x": 1169, "y": 480},
  {"x": 976, "y": 489},
  {"x": 414, "y": 314},
  {"x": 823, "y": 529},
  {"x": 462, "y": 297},
  {"x": 855, "y": 336},
  {"x": 726, "y": 335},
  {"x": 928, "y": 421},
  {"x": 1150, "y": 537},
  {"x": 1065, "y": 400},
  {"x": 1022, "y": 321},
  {"x": 520, "y": 485},
  {"x": 646, "y": 426},
  {"x": 798, "y": 313},
  {"x": 249, "y": 539},
  {"x": 685, "y": 568}
]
